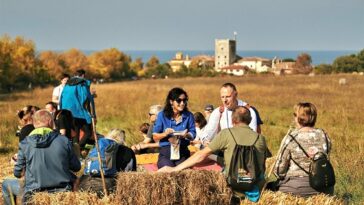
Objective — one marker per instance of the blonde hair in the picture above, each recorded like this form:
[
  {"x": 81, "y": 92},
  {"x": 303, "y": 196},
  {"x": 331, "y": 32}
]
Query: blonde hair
[
  {"x": 118, "y": 135},
  {"x": 306, "y": 114}
]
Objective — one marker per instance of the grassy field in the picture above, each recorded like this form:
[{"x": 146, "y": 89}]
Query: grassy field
[{"x": 125, "y": 105}]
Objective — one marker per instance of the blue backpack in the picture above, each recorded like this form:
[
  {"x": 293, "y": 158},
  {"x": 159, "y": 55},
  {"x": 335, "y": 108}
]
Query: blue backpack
[{"x": 108, "y": 150}]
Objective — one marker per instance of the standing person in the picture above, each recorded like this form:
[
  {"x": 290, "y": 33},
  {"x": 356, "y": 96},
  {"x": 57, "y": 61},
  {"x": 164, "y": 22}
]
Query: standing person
[
  {"x": 46, "y": 157},
  {"x": 226, "y": 142},
  {"x": 292, "y": 161},
  {"x": 57, "y": 91},
  {"x": 220, "y": 118},
  {"x": 76, "y": 97},
  {"x": 174, "y": 128}
]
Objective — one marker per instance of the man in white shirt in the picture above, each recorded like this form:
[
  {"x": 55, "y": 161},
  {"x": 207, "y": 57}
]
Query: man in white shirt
[
  {"x": 220, "y": 118},
  {"x": 57, "y": 91}
]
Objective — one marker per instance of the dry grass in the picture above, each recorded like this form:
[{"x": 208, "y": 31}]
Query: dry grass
[{"x": 126, "y": 104}]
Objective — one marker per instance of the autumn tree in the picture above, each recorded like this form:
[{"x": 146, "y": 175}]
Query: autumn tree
[
  {"x": 137, "y": 66},
  {"x": 17, "y": 61},
  {"x": 110, "y": 64},
  {"x": 51, "y": 62},
  {"x": 152, "y": 62},
  {"x": 73, "y": 60},
  {"x": 303, "y": 64}
]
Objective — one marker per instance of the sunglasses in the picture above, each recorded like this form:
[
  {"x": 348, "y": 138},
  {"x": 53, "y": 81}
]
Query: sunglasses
[
  {"x": 151, "y": 114},
  {"x": 179, "y": 100}
]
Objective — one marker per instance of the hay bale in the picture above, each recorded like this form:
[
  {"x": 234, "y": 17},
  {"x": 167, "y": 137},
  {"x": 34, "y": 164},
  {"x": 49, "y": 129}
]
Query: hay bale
[
  {"x": 269, "y": 197},
  {"x": 74, "y": 198},
  {"x": 185, "y": 187}
]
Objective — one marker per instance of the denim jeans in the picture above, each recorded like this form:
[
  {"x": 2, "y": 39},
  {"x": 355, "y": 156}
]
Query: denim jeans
[{"x": 10, "y": 186}]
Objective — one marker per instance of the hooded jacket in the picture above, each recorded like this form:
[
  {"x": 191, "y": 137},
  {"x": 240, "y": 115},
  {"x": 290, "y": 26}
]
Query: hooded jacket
[
  {"x": 76, "y": 97},
  {"x": 48, "y": 160}
]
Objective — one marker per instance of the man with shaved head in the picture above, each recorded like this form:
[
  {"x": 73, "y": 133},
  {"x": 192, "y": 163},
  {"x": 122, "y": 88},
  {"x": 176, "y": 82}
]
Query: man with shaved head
[
  {"x": 46, "y": 157},
  {"x": 225, "y": 141}
]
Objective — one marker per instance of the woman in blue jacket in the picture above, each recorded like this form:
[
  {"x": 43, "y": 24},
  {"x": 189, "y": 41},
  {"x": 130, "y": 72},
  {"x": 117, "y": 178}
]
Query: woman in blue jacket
[{"x": 174, "y": 129}]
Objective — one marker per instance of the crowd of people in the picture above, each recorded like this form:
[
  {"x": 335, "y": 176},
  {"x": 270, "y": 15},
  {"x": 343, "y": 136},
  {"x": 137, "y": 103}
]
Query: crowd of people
[{"x": 52, "y": 142}]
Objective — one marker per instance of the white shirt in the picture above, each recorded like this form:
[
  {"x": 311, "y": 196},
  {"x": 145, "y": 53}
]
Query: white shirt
[{"x": 225, "y": 121}]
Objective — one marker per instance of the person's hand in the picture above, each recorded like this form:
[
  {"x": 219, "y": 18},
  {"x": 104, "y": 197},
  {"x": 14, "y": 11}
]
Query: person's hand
[
  {"x": 206, "y": 143},
  {"x": 14, "y": 158},
  {"x": 168, "y": 131},
  {"x": 166, "y": 169}
]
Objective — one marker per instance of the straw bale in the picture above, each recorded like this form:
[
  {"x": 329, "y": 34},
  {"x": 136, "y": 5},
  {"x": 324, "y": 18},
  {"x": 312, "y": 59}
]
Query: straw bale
[
  {"x": 74, "y": 198},
  {"x": 185, "y": 187}
]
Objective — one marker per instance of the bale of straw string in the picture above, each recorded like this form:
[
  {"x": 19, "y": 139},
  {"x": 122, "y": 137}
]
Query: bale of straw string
[{"x": 186, "y": 187}]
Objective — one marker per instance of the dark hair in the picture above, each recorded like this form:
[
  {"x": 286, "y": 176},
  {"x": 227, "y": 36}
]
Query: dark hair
[
  {"x": 80, "y": 72},
  {"x": 173, "y": 95},
  {"x": 144, "y": 128},
  {"x": 65, "y": 75},
  {"x": 241, "y": 115},
  {"x": 200, "y": 119},
  {"x": 27, "y": 110},
  {"x": 229, "y": 85},
  {"x": 54, "y": 105}
]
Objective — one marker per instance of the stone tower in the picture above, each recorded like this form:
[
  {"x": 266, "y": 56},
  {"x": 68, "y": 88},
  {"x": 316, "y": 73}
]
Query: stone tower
[{"x": 225, "y": 53}]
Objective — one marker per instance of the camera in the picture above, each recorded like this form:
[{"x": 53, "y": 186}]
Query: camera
[{"x": 17, "y": 133}]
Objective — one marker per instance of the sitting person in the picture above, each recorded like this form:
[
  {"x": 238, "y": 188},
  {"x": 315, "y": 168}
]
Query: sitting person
[
  {"x": 174, "y": 129},
  {"x": 26, "y": 121},
  {"x": 148, "y": 142},
  {"x": 200, "y": 123},
  {"x": 46, "y": 158},
  {"x": 110, "y": 145},
  {"x": 293, "y": 179}
]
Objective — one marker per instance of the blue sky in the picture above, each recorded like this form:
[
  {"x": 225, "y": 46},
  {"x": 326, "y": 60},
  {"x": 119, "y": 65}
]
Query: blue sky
[{"x": 186, "y": 24}]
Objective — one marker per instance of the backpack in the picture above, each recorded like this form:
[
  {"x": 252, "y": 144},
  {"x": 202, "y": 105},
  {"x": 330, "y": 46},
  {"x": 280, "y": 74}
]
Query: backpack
[
  {"x": 108, "y": 149},
  {"x": 321, "y": 173},
  {"x": 244, "y": 170}
]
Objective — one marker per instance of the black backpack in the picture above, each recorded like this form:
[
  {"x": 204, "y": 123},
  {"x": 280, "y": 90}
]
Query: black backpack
[
  {"x": 321, "y": 173},
  {"x": 244, "y": 170}
]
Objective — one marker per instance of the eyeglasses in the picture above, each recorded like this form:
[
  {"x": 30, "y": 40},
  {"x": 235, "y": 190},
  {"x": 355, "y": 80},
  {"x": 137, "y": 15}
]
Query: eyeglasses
[
  {"x": 151, "y": 114},
  {"x": 179, "y": 100}
]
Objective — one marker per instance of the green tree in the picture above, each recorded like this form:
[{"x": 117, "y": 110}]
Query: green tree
[
  {"x": 346, "y": 64},
  {"x": 160, "y": 71},
  {"x": 323, "y": 69}
]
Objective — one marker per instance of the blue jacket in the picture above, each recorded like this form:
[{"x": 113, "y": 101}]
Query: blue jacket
[
  {"x": 48, "y": 160},
  {"x": 76, "y": 97},
  {"x": 162, "y": 123}
]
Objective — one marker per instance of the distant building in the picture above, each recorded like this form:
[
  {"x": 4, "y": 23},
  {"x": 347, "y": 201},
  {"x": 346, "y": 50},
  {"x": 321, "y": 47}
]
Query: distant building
[
  {"x": 225, "y": 53},
  {"x": 280, "y": 67},
  {"x": 179, "y": 61},
  {"x": 256, "y": 64},
  {"x": 237, "y": 70},
  {"x": 203, "y": 61}
]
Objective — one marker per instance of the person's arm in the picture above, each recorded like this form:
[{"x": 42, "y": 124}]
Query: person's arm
[
  {"x": 74, "y": 163},
  {"x": 20, "y": 163},
  {"x": 283, "y": 159},
  {"x": 55, "y": 95},
  {"x": 253, "y": 123},
  {"x": 158, "y": 132},
  {"x": 194, "y": 159},
  {"x": 211, "y": 127},
  {"x": 159, "y": 136}
]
